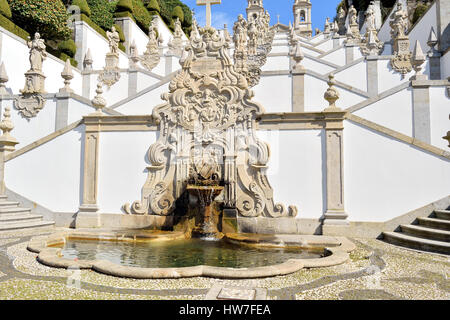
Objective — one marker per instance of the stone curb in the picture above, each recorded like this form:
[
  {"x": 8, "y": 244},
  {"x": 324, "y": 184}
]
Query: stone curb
[{"x": 336, "y": 254}]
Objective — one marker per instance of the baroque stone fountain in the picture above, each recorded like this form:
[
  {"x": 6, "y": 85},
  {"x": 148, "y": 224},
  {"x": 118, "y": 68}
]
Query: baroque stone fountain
[
  {"x": 207, "y": 147},
  {"x": 209, "y": 118}
]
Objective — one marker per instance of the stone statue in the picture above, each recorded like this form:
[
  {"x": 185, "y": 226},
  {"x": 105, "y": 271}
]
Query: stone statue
[
  {"x": 37, "y": 53},
  {"x": 176, "y": 43},
  {"x": 371, "y": 45},
  {"x": 399, "y": 23},
  {"x": 401, "y": 62},
  {"x": 341, "y": 21},
  {"x": 353, "y": 15},
  {"x": 151, "y": 56},
  {"x": 113, "y": 39},
  {"x": 240, "y": 33}
]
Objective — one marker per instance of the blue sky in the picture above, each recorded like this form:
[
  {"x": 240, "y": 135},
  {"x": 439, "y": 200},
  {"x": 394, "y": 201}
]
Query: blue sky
[{"x": 228, "y": 11}]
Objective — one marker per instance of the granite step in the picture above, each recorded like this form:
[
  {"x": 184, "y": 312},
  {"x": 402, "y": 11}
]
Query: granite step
[
  {"x": 404, "y": 240},
  {"x": 9, "y": 211},
  {"x": 19, "y": 218},
  {"x": 8, "y": 204},
  {"x": 434, "y": 223},
  {"x": 442, "y": 214},
  {"x": 27, "y": 225},
  {"x": 425, "y": 232}
]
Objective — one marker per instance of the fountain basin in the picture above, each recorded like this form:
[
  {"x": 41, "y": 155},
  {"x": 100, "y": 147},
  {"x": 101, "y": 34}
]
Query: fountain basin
[{"x": 304, "y": 251}]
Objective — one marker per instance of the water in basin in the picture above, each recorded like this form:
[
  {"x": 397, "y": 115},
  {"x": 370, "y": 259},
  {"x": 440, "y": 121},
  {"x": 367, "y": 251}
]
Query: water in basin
[{"x": 182, "y": 253}]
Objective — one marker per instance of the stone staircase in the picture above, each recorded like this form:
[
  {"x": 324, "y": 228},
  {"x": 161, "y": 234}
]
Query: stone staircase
[
  {"x": 428, "y": 233},
  {"x": 15, "y": 218}
]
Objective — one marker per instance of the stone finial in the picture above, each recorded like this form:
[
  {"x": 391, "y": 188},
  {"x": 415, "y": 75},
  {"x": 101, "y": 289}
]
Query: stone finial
[
  {"x": 432, "y": 39},
  {"x": 67, "y": 75},
  {"x": 298, "y": 56},
  {"x": 6, "y": 124},
  {"x": 134, "y": 55},
  {"x": 87, "y": 62},
  {"x": 99, "y": 101},
  {"x": 417, "y": 60},
  {"x": 332, "y": 94},
  {"x": 3, "y": 79},
  {"x": 7, "y": 142},
  {"x": 432, "y": 42}
]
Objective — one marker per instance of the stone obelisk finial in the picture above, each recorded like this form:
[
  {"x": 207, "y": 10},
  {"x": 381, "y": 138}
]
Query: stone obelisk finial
[{"x": 3, "y": 80}]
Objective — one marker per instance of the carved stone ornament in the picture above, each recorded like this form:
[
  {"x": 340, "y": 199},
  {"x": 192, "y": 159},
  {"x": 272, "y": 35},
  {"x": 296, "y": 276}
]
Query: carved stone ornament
[
  {"x": 371, "y": 45},
  {"x": 111, "y": 72},
  {"x": 401, "y": 62},
  {"x": 253, "y": 42},
  {"x": 353, "y": 35},
  {"x": 208, "y": 121},
  {"x": 151, "y": 57},
  {"x": 29, "y": 104},
  {"x": 176, "y": 43}
]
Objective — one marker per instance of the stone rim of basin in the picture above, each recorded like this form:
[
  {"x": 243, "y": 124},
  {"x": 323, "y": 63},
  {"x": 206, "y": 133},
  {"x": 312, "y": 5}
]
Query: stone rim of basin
[{"x": 336, "y": 248}]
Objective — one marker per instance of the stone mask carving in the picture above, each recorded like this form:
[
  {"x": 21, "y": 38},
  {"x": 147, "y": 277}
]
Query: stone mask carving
[{"x": 207, "y": 127}]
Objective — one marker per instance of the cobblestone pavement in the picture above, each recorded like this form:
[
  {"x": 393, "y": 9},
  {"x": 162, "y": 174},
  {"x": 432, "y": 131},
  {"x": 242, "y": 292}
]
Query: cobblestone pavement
[{"x": 376, "y": 270}]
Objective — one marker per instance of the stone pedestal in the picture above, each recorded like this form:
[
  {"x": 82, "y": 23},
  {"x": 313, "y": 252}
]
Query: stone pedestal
[
  {"x": 372, "y": 75},
  {"x": 421, "y": 109},
  {"x": 88, "y": 216},
  {"x": 7, "y": 145},
  {"x": 111, "y": 73},
  {"x": 334, "y": 143},
  {"x": 298, "y": 90},
  {"x": 34, "y": 82}
]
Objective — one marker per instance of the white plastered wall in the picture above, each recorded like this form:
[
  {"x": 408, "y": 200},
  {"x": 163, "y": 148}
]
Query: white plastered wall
[
  {"x": 15, "y": 55},
  {"x": 295, "y": 169},
  {"x": 50, "y": 174},
  {"x": 122, "y": 168},
  {"x": 422, "y": 29},
  {"x": 385, "y": 178},
  {"x": 394, "y": 112},
  {"x": 336, "y": 57},
  {"x": 315, "y": 89},
  {"x": 276, "y": 63},
  {"x": 445, "y": 66},
  {"x": 27, "y": 130},
  {"x": 281, "y": 101},
  {"x": 355, "y": 76},
  {"x": 439, "y": 116},
  {"x": 144, "y": 103}
]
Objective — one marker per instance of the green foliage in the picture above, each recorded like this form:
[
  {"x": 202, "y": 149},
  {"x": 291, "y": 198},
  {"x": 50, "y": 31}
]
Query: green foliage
[
  {"x": 102, "y": 13},
  {"x": 419, "y": 12},
  {"x": 5, "y": 9},
  {"x": 11, "y": 27},
  {"x": 120, "y": 32},
  {"x": 61, "y": 55},
  {"x": 68, "y": 47},
  {"x": 178, "y": 13},
  {"x": 48, "y": 17},
  {"x": 124, "y": 5},
  {"x": 141, "y": 14},
  {"x": 153, "y": 5},
  {"x": 166, "y": 12},
  {"x": 187, "y": 16},
  {"x": 83, "y": 5}
]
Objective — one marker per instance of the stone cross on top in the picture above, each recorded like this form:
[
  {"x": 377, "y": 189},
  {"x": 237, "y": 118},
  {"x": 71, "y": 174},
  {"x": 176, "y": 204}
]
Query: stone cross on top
[{"x": 208, "y": 4}]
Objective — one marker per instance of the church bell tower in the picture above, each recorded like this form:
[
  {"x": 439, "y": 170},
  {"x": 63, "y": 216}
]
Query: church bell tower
[
  {"x": 302, "y": 18},
  {"x": 255, "y": 9}
]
